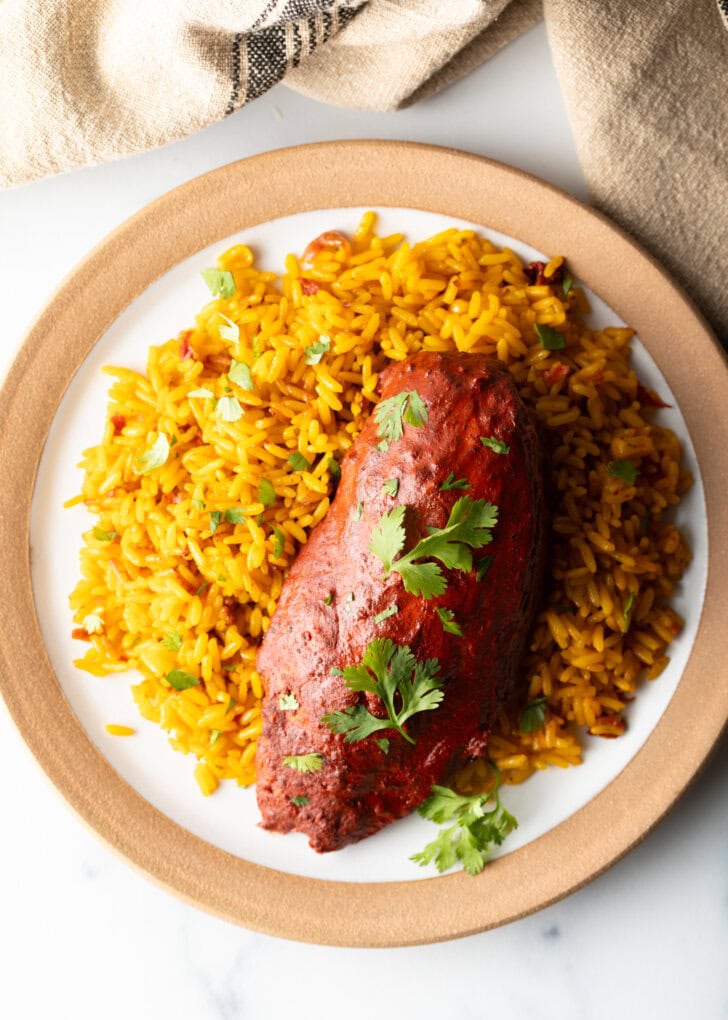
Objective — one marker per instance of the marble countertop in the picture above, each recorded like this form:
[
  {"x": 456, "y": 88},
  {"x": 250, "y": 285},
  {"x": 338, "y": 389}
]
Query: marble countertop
[{"x": 82, "y": 935}]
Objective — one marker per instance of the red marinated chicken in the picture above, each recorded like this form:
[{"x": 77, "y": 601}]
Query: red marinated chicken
[{"x": 334, "y": 602}]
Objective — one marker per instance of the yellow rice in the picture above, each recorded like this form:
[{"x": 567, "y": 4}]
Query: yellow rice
[{"x": 167, "y": 590}]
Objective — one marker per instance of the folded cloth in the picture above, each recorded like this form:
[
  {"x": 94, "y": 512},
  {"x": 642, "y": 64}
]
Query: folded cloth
[{"x": 82, "y": 81}]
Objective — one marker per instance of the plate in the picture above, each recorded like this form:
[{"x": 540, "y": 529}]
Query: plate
[{"x": 141, "y": 799}]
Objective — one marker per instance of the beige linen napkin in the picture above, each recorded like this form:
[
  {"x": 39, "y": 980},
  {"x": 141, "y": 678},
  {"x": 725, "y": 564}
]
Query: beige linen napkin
[{"x": 82, "y": 81}]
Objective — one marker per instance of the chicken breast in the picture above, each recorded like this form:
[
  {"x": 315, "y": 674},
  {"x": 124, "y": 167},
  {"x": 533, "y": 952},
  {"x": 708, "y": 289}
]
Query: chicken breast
[{"x": 469, "y": 452}]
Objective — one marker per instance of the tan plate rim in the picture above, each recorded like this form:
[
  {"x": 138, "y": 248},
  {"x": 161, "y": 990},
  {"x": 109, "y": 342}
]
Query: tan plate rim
[{"x": 213, "y": 207}]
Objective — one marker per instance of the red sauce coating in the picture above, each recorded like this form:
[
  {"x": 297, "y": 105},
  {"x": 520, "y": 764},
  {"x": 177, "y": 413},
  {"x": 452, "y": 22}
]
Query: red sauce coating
[{"x": 360, "y": 789}]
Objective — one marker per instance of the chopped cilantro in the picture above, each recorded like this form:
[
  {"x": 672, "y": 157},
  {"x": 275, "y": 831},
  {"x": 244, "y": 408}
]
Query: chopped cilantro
[
  {"x": 495, "y": 444},
  {"x": 220, "y": 281},
  {"x": 234, "y": 515},
  {"x": 288, "y": 702},
  {"x": 533, "y": 716},
  {"x": 625, "y": 470},
  {"x": 382, "y": 743},
  {"x": 392, "y": 414},
  {"x": 280, "y": 543},
  {"x": 468, "y": 527},
  {"x": 104, "y": 536},
  {"x": 299, "y": 801},
  {"x": 155, "y": 456},
  {"x": 203, "y": 588},
  {"x": 449, "y": 623},
  {"x": 329, "y": 599},
  {"x": 454, "y": 483},
  {"x": 628, "y": 610},
  {"x": 215, "y": 518},
  {"x": 391, "y": 487},
  {"x": 214, "y": 735},
  {"x": 550, "y": 338},
  {"x": 482, "y": 567},
  {"x": 385, "y": 614},
  {"x": 405, "y": 686},
  {"x": 172, "y": 641},
  {"x": 228, "y": 409},
  {"x": 304, "y": 762},
  {"x": 230, "y": 331},
  {"x": 334, "y": 469},
  {"x": 567, "y": 283},
  {"x": 476, "y": 829},
  {"x": 358, "y": 511},
  {"x": 181, "y": 680},
  {"x": 199, "y": 504},
  {"x": 266, "y": 492},
  {"x": 298, "y": 462},
  {"x": 313, "y": 354},
  {"x": 239, "y": 373}
]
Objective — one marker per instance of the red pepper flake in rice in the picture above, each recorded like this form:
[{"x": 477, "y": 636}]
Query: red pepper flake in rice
[
  {"x": 309, "y": 286},
  {"x": 185, "y": 347}
]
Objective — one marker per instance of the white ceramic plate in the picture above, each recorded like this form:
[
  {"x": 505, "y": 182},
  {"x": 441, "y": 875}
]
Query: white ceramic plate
[{"x": 147, "y": 762}]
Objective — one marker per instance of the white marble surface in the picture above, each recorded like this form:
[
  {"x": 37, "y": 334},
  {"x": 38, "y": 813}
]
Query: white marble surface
[{"x": 83, "y": 936}]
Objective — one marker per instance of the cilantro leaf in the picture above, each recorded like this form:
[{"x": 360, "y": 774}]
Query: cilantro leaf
[
  {"x": 391, "y": 487},
  {"x": 304, "y": 762},
  {"x": 388, "y": 536},
  {"x": 391, "y": 414},
  {"x": 449, "y": 623},
  {"x": 475, "y": 830},
  {"x": 452, "y": 483},
  {"x": 382, "y": 743},
  {"x": 228, "y": 409},
  {"x": 298, "y": 462},
  {"x": 220, "y": 281},
  {"x": 533, "y": 716},
  {"x": 299, "y": 801},
  {"x": 266, "y": 492},
  {"x": 181, "y": 680},
  {"x": 288, "y": 702},
  {"x": 215, "y": 518},
  {"x": 567, "y": 283},
  {"x": 550, "y": 338},
  {"x": 358, "y": 511},
  {"x": 468, "y": 527},
  {"x": 155, "y": 456},
  {"x": 239, "y": 373},
  {"x": 404, "y": 685},
  {"x": 313, "y": 354},
  {"x": 234, "y": 515},
  {"x": 495, "y": 444},
  {"x": 625, "y": 470}
]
